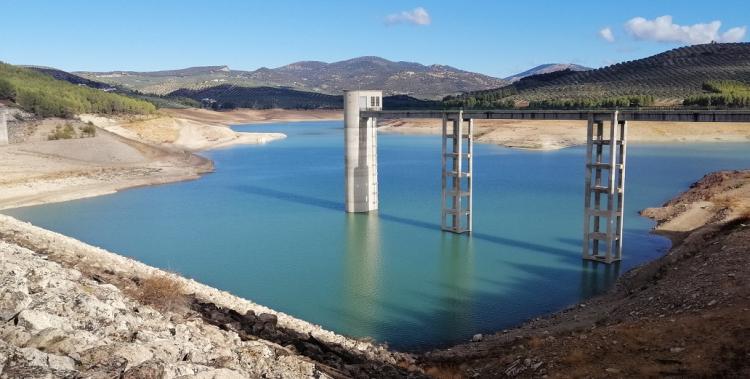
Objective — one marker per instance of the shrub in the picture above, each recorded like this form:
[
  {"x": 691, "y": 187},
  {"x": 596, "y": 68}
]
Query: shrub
[
  {"x": 88, "y": 130},
  {"x": 161, "y": 292},
  {"x": 605, "y": 102},
  {"x": 7, "y": 91},
  {"x": 66, "y": 132},
  {"x": 724, "y": 93}
]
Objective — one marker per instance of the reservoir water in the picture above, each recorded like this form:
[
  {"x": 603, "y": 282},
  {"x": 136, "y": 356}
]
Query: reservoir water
[{"x": 269, "y": 225}]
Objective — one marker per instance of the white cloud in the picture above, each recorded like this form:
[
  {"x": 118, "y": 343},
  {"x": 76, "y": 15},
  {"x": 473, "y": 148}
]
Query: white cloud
[
  {"x": 735, "y": 34},
  {"x": 607, "y": 35},
  {"x": 416, "y": 16},
  {"x": 662, "y": 29}
]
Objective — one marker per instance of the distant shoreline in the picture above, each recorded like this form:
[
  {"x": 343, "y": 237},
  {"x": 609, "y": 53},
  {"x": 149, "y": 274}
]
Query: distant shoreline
[
  {"x": 128, "y": 153},
  {"x": 554, "y": 135},
  {"x": 143, "y": 151}
]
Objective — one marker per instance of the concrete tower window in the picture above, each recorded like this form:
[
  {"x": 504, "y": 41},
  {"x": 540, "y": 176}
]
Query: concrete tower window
[{"x": 375, "y": 101}]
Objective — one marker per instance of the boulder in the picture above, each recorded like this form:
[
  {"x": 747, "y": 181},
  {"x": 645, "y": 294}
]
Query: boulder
[
  {"x": 35, "y": 320},
  {"x": 268, "y": 318},
  {"x": 221, "y": 373},
  {"x": 151, "y": 369},
  {"x": 12, "y": 302}
]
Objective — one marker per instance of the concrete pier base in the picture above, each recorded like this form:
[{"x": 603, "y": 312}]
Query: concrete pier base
[
  {"x": 361, "y": 153},
  {"x": 3, "y": 127},
  {"x": 604, "y": 189}
]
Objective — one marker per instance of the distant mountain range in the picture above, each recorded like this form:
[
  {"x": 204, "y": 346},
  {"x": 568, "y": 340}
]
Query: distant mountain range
[
  {"x": 395, "y": 78},
  {"x": 662, "y": 79},
  {"x": 668, "y": 77},
  {"x": 546, "y": 69},
  {"x": 227, "y": 96}
]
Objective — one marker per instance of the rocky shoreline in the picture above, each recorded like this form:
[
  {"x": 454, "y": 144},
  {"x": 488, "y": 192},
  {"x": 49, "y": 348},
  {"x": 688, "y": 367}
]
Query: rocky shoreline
[{"x": 66, "y": 312}]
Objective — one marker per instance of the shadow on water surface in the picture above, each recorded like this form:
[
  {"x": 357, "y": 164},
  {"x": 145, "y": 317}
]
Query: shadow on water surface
[
  {"x": 450, "y": 316},
  {"x": 336, "y": 206}
]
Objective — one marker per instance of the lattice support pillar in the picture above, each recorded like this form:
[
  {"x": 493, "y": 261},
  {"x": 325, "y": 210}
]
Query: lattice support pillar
[
  {"x": 457, "y": 166},
  {"x": 604, "y": 202}
]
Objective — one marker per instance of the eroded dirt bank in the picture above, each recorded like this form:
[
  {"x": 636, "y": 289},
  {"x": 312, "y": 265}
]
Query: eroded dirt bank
[{"x": 686, "y": 314}]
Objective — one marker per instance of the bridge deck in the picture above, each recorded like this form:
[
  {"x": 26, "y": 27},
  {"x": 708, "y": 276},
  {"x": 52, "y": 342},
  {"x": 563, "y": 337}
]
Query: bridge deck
[{"x": 599, "y": 114}]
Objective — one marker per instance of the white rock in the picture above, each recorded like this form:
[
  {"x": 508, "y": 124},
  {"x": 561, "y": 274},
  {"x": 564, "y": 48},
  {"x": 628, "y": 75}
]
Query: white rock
[
  {"x": 14, "y": 335},
  {"x": 135, "y": 354},
  {"x": 13, "y": 298},
  {"x": 33, "y": 357},
  {"x": 221, "y": 373},
  {"x": 37, "y": 320},
  {"x": 58, "y": 362}
]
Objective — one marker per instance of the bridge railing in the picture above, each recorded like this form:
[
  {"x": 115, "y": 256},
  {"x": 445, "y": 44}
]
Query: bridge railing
[{"x": 679, "y": 115}]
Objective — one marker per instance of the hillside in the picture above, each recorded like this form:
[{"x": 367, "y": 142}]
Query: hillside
[
  {"x": 665, "y": 78},
  {"x": 546, "y": 69},
  {"x": 227, "y": 96},
  {"x": 157, "y": 100},
  {"x": 395, "y": 78},
  {"x": 70, "y": 78},
  {"x": 46, "y": 96}
]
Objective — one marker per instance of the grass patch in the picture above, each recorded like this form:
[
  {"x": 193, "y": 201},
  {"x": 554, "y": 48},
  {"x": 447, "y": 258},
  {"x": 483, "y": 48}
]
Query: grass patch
[
  {"x": 727, "y": 202},
  {"x": 444, "y": 372},
  {"x": 575, "y": 357}
]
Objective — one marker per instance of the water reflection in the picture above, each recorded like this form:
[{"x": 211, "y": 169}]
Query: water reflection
[
  {"x": 597, "y": 277},
  {"x": 362, "y": 271},
  {"x": 456, "y": 275}
]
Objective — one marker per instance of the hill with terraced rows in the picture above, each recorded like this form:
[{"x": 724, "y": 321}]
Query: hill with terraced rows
[{"x": 668, "y": 78}]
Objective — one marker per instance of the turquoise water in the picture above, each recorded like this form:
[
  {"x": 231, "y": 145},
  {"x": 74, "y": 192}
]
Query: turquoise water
[{"x": 269, "y": 225}]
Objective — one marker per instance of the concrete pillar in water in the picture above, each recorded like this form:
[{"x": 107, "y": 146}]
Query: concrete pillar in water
[
  {"x": 605, "y": 189},
  {"x": 361, "y": 151},
  {"x": 3, "y": 127},
  {"x": 458, "y": 154}
]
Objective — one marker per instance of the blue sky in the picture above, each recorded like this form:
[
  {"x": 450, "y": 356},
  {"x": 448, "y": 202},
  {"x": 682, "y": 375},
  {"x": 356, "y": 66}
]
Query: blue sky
[{"x": 497, "y": 38}]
